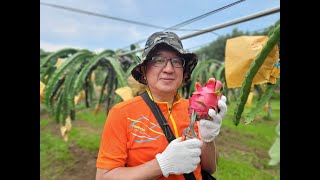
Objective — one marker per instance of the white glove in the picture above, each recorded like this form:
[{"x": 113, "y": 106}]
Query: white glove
[
  {"x": 209, "y": 129},
  {"x": 180, "y": 157}
]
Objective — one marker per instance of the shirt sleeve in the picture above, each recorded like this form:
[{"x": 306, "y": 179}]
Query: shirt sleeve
[{"x": 113, "y": 145}]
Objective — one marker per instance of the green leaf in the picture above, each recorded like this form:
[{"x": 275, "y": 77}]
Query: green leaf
[
  {"x": 264, "y": 99},
  {"x": 274, "y": 151}
]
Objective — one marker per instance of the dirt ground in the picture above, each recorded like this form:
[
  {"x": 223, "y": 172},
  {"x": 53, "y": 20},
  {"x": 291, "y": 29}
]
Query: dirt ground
[{"x": 84, "y": 167}]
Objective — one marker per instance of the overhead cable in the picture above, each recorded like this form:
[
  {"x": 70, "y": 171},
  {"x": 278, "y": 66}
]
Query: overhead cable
[
  {"x": 219, "y": 26},
  {"x": 177, "y": 26}
]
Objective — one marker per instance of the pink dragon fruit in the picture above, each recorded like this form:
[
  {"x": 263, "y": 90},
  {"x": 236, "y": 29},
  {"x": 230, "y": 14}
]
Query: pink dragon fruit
[{"x": 205, "y": 98}]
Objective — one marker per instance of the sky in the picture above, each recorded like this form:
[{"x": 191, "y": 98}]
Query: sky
[{"x": 60, "y": 28}]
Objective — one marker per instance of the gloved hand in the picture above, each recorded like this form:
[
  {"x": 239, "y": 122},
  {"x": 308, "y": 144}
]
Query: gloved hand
[
  {"x": 209, "y": 129},
  {"x": 180, "y": 157}
]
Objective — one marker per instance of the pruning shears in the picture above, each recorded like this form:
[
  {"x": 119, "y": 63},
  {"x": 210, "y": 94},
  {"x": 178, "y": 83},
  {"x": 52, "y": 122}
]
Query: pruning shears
[{"x": 189, "y": 132}]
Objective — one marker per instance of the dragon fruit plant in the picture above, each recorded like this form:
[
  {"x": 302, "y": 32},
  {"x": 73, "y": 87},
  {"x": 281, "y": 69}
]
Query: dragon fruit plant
[{"x": 205, "y": 98}]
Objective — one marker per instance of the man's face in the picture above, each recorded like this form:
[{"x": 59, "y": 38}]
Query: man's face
[{"x": 165, "y": 79}]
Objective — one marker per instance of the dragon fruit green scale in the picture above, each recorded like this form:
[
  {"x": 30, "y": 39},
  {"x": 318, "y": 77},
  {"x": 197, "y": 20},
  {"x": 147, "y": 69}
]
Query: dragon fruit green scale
[{"x": 205, "y": 98}]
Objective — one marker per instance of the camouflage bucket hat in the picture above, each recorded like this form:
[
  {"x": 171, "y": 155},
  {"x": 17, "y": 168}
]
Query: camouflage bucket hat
[{"x": 172, "y": 40}]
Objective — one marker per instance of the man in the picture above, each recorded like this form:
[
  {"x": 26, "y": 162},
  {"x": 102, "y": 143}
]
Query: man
[{"x": 133, "y": 145}]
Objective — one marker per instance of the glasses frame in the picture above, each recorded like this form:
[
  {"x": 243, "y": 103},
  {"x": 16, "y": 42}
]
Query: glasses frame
[{"x": 167, "y": 60}]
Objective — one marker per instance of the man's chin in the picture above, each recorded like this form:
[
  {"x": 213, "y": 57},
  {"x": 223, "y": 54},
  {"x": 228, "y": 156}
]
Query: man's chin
[{"x": 168, "y": 89}]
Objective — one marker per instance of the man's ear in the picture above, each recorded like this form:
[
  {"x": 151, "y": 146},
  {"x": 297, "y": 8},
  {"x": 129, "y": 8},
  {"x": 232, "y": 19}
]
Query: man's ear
[{"x": 143, "y": 71}]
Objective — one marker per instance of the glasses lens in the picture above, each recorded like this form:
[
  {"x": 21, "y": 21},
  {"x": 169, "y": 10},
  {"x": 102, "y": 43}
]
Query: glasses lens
[
  {"x": 177, "y": 62},
  {"x": 159, "y": 61}
]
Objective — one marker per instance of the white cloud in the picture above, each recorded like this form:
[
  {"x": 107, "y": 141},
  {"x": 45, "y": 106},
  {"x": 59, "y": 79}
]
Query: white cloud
[
  {"x": 59, "y": 25},
  {"x": 65, "y": 27},
  {"x": 112, "y": 31},
  {"x": 99, "y": 50},
  {"x": 85, "y": 32},
  {"x": 55, "y": 47}
]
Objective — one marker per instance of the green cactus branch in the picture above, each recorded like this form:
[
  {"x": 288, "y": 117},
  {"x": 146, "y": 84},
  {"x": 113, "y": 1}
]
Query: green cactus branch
[
  {"x": 47, "y": 63},
  {"x": 89, "y": 91},
  {"x": 122, "y": 81},
  {"x": 110, "y": 89},
  {"x": 114, "y": 77},
  {"x": 219, "y": 75},
  {"x": 61, "y": 73},
  {"x": 53, "y": 56},
  {"x": 255, "y": 66},
  {"x": 128, "y": 72},
  {"x": 64, "y": 99},
  {"x": 107, "y": 80},
  {"x": 264, "y": 99},
  {"x": 86, "y": 71}
]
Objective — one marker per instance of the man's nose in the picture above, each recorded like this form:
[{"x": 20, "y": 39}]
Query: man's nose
[{"x": 169, "y": 67}]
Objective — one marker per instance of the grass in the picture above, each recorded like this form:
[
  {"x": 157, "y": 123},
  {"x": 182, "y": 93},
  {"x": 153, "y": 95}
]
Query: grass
[
  {"x": 84, "y": 139},
  {"x": 54, "y": 154},
  {"x": 96, "y": 121},
  {"x": 235, "y": 169},
  {"x": 243, "y": 149}
]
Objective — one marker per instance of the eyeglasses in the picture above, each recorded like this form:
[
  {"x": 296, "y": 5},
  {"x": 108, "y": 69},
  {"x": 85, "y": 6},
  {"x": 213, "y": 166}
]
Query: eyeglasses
[{"x": 159, "y": 61}]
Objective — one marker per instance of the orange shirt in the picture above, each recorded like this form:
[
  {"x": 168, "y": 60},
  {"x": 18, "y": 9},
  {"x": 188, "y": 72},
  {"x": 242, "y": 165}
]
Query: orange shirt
[{"x": 132, "y": 135}]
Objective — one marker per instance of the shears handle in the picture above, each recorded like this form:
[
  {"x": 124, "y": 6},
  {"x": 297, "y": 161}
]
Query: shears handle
[{"x": 189, "y": 131}]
